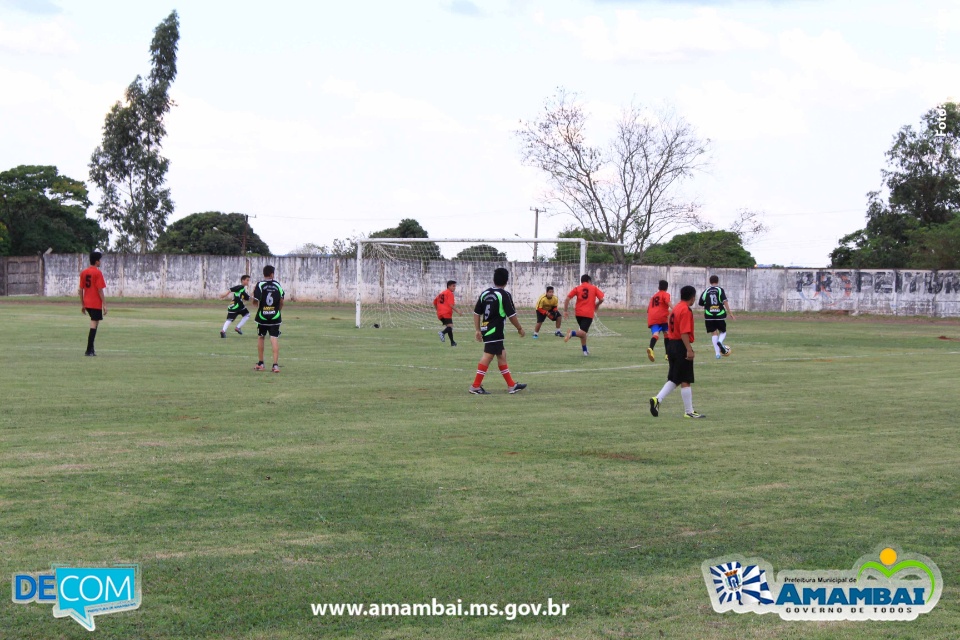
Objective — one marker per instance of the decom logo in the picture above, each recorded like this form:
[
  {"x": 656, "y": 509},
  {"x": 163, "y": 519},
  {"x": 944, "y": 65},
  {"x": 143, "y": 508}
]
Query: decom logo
[
  {"x": 885, "y": 585},
  {"x": 81, "y": 593}
]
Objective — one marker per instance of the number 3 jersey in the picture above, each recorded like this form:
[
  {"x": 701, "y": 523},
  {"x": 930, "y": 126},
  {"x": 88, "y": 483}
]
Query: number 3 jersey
[
  {"x": 268, "y": 293},
  {"x": 494, "y": 306}
]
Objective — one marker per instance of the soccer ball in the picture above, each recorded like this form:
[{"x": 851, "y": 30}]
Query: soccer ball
[{"x": 727, "y": 352}]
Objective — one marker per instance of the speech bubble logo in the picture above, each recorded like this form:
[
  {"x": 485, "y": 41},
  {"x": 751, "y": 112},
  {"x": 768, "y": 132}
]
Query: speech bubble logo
[{"x": 84, "y": 592}]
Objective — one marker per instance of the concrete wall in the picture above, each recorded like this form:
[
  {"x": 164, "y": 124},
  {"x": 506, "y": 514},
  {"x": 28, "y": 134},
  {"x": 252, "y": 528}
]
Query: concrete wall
[{"x": 889, "y": 292}]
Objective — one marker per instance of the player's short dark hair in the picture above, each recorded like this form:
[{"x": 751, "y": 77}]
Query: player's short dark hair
[
  {"x": 268, "y": 271},
  {"x": 244, "y": 277},
  {"x": 450, "y": 282},
  {"x": 95, "y": 257},
  {"x": 688, "y": 292},
  {"x": 585, "y": 278},
  {"x": 663, "y": 285},
  {"x": 500, "y": 276},
  {"x": 549, "y": 288},
  {"x": 714, "y": 279}
]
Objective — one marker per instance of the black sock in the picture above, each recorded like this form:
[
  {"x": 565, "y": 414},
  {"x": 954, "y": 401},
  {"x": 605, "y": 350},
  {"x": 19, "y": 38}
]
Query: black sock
[
  {"x": 653, "y": 342},
  {"x": 90, "y": 338},
  {"x": 449, "y": 331}
]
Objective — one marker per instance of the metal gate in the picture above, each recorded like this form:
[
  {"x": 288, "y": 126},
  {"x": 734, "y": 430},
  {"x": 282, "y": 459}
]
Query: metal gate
[{"x": 21, "y": 276}]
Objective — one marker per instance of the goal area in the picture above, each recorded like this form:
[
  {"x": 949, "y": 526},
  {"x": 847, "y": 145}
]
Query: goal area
[{"x": 398, "y": 278}]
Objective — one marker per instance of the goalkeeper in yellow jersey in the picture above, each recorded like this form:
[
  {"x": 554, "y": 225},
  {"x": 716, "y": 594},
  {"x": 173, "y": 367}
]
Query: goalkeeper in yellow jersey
[{"x": 548, "y": 307}]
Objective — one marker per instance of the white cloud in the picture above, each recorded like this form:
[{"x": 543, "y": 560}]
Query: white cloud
[
  {"x": 386, "y": 105},
  {"x": 634, "y": 38},
  {"x": 50, "y": 37},
  {"x": 723, "y": 113}
]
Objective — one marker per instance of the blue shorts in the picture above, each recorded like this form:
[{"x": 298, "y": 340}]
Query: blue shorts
[{"x": 657, "y": 328}]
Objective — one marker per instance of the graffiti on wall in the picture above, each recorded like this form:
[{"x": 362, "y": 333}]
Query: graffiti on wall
[{"x": 829, "y": 287}]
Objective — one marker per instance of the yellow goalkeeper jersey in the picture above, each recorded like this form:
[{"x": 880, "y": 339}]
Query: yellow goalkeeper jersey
[{"x": 548, "y": 304}]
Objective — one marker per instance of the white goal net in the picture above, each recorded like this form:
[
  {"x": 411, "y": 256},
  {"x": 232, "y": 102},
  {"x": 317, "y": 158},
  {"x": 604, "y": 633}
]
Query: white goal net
[{"x": 398, "y": 278}]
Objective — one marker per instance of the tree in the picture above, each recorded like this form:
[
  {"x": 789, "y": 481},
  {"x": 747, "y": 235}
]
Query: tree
[
  {"x": 128, "y": 168},
  {"x": 212, "y": 233},
  {"x": 41, "y": 209},
  {"x": 626, "y": 189},
  {"x": 922, "y": 180},
  {"x": 482, "y": 253},
  {"x": 570, "y": 252},
  {"x": 410, "y": 228},
  {"x": 702, "y": 249}
]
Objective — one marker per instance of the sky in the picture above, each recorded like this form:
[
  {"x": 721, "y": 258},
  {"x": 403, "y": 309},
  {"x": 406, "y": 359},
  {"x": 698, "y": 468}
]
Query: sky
[{"x": 325, "y": 120}]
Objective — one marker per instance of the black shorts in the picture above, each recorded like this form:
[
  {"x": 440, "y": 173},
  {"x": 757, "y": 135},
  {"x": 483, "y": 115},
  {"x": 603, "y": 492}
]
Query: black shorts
[
  {"x": 95, "y": 314},
  {"x": 584, "y": 323},
  {"x": 553, "y": 315},
  {"x": 716, "y": 325},
  {"x": 232, "y": 315},
  {"x": 494, "y": 348},
  {"x": 446, "y": 321},
  {"x": 681, "y": 369},
  {"x": 273, "y": 330}
]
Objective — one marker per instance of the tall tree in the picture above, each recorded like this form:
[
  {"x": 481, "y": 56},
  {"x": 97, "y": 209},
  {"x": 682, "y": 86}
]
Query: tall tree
[
  {"x": 212, "y": 233},
  {"x": 41, "y": 209},
  {"x": 128, "y": 167},
  {"x": 625, "y": 189},
  {"x": 922, "y": 184}
]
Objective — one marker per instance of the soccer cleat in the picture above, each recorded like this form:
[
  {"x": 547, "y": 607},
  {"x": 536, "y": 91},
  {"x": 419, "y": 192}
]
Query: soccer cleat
[
  {"x": 585, "y": 352},
  {"x": 452, "y": 343},
  {"x": 275, "y": 368},
  {"x": 258, "y": 366},
  {"x": 517, "y": 387},
  {"x": 655, "y": 406},
  {"x": 90, "y": 353},
  {"x": 223, "y": 334},
  {"x": 650, "y": 355},
  {"x": 479, "y": 391},
  {"x": 719, "y": 356},
  {"x": 724, "y": 350},
  {"x": 666, "y": 358},
  {"x": 535, "y": 336},
  {"x": 558, "y": 333},
  {"x": 694, "y": 414},
  {"x": 237, "y": 329},
  {"x": 443, "y": 336}
]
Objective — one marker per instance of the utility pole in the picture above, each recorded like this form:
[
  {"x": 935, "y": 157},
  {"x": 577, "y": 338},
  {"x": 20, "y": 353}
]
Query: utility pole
[
  {"x": 536, "y": 228},
  {"x": 243, "y": 243}
]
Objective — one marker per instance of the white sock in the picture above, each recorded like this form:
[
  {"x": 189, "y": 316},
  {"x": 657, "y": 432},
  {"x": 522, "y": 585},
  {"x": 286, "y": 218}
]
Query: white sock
[
  {"x": 226, "y": 325},
  {"x": 667, "y": 390},
  {"x": 687, "y": 394},
  {"x": 723, "y": 336},
  {"x": 716, "y": 343},
  {"x": 243, "y": 321}
]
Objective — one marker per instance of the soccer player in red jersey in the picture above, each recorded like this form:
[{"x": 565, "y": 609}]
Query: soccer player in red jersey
[
  {"x": 589, "y": 298},
  {"x": 680, "y": 355},
  {"x": 445, "y": 303},
  {"x": 657, "y": 313},
  {"x": 92, "y": 301}
]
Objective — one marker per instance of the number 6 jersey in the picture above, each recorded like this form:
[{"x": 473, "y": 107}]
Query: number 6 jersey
[{"x": 268, "y": 293}]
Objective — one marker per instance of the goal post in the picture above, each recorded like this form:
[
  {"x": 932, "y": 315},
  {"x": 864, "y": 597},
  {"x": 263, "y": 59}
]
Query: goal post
[{"x": 397, "y": 278}]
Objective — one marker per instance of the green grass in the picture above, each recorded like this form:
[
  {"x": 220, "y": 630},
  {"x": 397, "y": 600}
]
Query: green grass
[{"x": 364, "y": 472}]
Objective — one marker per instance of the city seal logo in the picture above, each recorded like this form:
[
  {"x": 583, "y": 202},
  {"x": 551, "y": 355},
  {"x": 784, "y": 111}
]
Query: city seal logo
[{"x": 885, "y": 585}]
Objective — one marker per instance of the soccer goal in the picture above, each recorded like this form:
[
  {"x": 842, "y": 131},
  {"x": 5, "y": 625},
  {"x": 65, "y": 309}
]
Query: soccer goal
[{"x": 398, "y": 278}]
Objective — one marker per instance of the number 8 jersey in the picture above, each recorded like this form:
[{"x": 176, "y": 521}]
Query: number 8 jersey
[{"x": 268, "y": 293}]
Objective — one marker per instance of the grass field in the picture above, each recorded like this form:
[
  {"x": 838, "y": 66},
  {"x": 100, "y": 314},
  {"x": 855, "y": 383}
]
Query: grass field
[{"x": 364, "y": 472}]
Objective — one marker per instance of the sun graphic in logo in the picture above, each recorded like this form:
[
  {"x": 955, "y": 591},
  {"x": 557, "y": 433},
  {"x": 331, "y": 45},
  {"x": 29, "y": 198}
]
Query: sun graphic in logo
[{"x": 891, "y": 567}]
